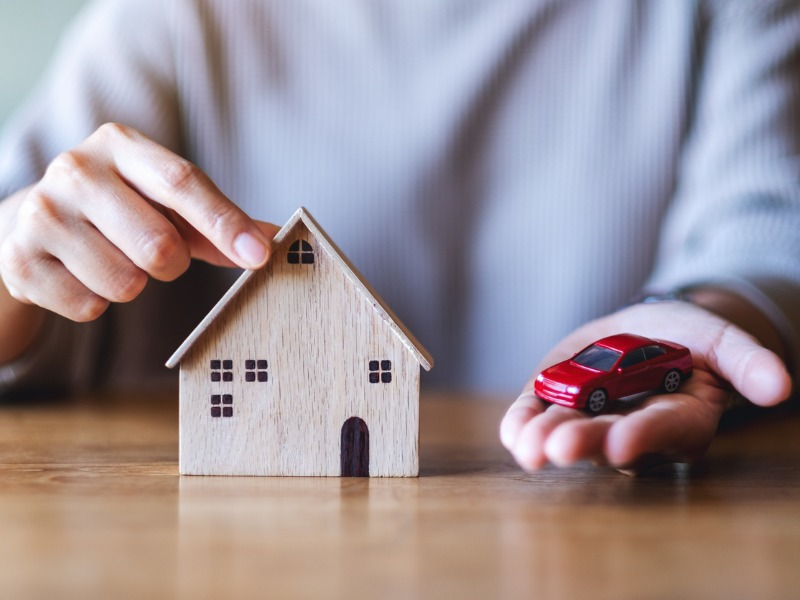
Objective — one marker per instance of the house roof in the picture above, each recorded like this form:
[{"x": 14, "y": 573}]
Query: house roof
[{"x": 395, "y": 325}]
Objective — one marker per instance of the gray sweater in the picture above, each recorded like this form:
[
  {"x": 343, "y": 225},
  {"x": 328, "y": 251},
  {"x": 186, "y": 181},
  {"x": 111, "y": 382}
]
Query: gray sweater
[{"x": 500, "y": 171}]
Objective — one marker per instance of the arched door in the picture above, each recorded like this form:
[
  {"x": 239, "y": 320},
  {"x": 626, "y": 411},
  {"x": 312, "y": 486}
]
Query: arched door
[{"x": 355, "y": 448}]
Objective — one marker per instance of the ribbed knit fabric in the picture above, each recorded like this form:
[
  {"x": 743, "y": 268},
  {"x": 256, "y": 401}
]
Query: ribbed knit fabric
[{"x": 500, "y": 171}]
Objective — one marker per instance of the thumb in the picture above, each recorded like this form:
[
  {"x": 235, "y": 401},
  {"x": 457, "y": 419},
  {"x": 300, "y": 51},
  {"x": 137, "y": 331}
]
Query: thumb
[
  {"x": 268, "y": 229},
  {"x": 757, "y": 374},
  {"x": 203, "y": 249}
]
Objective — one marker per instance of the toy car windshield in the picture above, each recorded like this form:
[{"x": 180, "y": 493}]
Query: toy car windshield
[{"x": 597, "y": 358}]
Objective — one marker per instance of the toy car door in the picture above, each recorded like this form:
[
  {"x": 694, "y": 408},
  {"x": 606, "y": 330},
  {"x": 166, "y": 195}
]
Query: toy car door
[{"x": 633, "y": 373}]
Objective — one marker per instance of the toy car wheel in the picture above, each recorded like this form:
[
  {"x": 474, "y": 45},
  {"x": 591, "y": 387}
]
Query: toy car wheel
[
  {"x": 597, "y": 401},
  {"x": 671, "y": 381}
]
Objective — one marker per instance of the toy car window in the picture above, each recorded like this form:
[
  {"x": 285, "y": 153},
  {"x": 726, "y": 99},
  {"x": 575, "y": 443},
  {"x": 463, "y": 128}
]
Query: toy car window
[
  {"x": 634, "y": 357},
  {"x": 654, "y": 351},
  {"x": 597, "y": 357}
]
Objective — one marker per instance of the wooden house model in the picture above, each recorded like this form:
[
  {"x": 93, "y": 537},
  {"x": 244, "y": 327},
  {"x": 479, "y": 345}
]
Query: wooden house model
[{"x": 300, "y": 369}]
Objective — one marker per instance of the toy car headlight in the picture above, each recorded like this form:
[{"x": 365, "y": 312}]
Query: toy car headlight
[
  {"x": 573, "y": 389},
  {"x": 540, "y": 378}
]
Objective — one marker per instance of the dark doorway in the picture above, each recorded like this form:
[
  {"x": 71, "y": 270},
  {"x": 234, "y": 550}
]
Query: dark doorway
[{"x": 355, "y": 448}]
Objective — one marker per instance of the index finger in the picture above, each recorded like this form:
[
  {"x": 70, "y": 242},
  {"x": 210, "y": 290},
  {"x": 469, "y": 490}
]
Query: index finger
[{"x": 167, "y": 179}]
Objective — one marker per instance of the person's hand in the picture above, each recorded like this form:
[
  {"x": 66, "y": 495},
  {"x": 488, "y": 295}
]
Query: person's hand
[
  {"x": 665, "y": 427},
  {"x": 111, "y": 213}
]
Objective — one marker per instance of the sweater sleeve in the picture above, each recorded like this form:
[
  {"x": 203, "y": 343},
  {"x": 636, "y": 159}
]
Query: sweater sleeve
[
  {"x": 735, "y": 221},
  {"x": 114, "y": 64}
]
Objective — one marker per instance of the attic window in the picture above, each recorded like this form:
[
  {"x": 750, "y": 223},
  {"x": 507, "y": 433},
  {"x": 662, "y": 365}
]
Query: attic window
[
  {"x": 380, "y": 371},
  {"x": 221, "y": 370},
  {"x": 300, "y": 252},
  {"x": 255, "y": 370}
]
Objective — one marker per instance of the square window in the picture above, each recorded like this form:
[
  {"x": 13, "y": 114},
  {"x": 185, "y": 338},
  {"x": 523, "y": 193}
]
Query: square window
[
  {"x": 215, "y": 376},
  {"x": 227, "y": 376},
  {"x": 308, "y": 258},
  {"x": 216, "y": 364},
  {"x": 256, "y": 370},
  {"x": 215, "y": 412},
  {"x": 227, "y": 411},
  {"x": 215, "y": 399},
  {"x": 293, "y": 258},
  {"x": 227, "y": 364},
  {"x": 227, "y": 399},
  {"x": 380, "y": 371}
]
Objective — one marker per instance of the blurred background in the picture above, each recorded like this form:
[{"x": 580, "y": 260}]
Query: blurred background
[{"x": 29, "y": 32}]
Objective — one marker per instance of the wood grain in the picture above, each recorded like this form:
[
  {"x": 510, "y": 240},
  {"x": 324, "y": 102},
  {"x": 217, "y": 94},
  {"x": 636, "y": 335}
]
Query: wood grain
[
  {"x": 92, "y": 506},
  {"x": 318, "y": 335}
]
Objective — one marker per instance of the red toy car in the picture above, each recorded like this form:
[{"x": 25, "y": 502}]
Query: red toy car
[{"x": 614, "y": 367}]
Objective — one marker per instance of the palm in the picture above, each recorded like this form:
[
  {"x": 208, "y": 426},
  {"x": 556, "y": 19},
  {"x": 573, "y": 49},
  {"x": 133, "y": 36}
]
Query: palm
[{"x": 664, "y": 427}]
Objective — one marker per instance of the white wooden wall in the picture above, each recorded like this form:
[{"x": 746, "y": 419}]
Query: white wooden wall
[{"x": 317, "y": 333}]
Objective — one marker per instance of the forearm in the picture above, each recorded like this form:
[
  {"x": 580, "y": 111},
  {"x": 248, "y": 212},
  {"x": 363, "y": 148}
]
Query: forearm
[{"x": 19, "y": 323}]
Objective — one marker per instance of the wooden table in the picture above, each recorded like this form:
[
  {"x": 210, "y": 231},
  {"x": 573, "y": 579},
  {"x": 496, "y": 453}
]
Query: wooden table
[{"x": 91, "y": 506}]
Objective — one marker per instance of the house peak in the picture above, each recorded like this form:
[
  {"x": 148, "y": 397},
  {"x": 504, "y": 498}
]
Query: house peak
[{"x": 351, "y": 273}]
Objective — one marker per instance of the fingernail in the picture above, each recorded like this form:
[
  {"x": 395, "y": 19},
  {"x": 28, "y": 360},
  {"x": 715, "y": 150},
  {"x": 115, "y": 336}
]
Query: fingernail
[{"x": 250, "y": 249}]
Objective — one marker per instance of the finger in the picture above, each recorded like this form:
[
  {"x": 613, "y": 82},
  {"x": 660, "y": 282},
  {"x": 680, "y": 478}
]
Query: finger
[
  {"x": 95, "y": 262},
  {"x": 133, "y": 225},
  {"x": 757, "y": 373},
  {"x": 579, "y": 439},
  {"x": 106, "y": 202},
  {"x": 53, "y": 236},
  {"x": 679, "y": 426},
  {"x": 45, "y": 282},
  {"x": 169, "y": 180},
  {"x": 270, "y": 230},
  {"x": 529, "y": 446},
  {"x": 204, "y": 250},
  {"x": 525, "y": 408}
]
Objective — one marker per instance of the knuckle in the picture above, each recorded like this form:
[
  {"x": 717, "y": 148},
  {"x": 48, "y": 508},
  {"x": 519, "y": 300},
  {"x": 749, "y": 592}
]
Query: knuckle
[
  {"x": 14, "y": 260},
  {"x": 17, "y": 294},
  {"x": 39, "y": 208},
  {"x": 181, "y": 175},
  {"x": 113, "y": 131},
  {"x": 223, "y": 218},
  {"x": 127, "y": 285},
  {"x": 71, "y": 168},
  {"x": 89, "y": 309},
  {"x": 38, "y": 203},
  {"x": 161, "y": 252}
]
